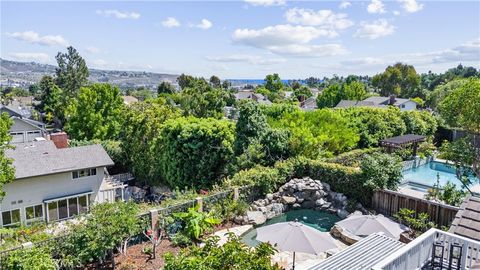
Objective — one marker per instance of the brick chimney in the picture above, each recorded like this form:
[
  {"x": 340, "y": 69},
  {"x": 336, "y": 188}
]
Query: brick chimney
[
  {"x": 60, "y": 139},
  {"x": 392, "y": 100}
]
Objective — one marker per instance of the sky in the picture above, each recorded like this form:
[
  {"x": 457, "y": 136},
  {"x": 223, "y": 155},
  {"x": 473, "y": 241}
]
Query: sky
[{"x": 246, "y": 39}]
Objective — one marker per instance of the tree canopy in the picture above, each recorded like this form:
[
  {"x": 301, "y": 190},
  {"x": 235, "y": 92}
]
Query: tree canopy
[
  {"x": 7, "y": 171},
  {"x": 71, "y": 73},
  {"x": 399, "y": 79}
]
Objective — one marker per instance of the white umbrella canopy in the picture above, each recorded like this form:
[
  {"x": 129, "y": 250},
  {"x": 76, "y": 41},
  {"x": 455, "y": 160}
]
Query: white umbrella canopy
[
  {"x": 364, "y": 225},
  {"x": 296, "y": 237}
]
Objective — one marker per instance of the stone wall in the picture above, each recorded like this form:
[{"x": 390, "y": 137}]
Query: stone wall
[{"x": 298, "y": 193}]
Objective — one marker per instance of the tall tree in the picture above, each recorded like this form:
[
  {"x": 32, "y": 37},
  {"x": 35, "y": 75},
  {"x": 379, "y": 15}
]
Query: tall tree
[
  {"x": 51, "y": 99},
  {"x": 186, "y": 81},
  {"x": 202, "y": 100},
  {"x": 97, "y": 113},
  {"x": 251, "y": 125},
  {"x": 165, "y": 88},
  {"x": 215, "y": 81},
  {"x": 273, "y": 83},
  {"x": 72, "y": 72},
  {"x": 399, "y": 79},
  {"x": 7, "y": 171}
]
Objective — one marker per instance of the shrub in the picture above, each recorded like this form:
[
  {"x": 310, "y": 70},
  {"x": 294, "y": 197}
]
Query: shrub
[
  {"x": 196, "y": 223},
  {"x": 180, "y": 240},
  {"x": 353, "y": 158},
  {"x": 381, "y": 171},
  {"x": 30, "y": 258},
  {"x": 229, "y": 209},
  {"x": 233, "y": 255},
  {"x": 418, "y": 224},
  {"x": 194, "y": 151},
  {"x": 265, "y": 178}
]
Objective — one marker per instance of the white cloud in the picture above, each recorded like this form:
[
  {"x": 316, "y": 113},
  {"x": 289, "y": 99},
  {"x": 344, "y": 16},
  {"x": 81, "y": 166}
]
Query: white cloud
[
  {"x": 100, "y": 63},
  {"x": 251, "y": 59},
  {"x": 35, "y": 38},
  {"x": 375, "y": 29},
  {"x": 204, "y": 24},
  {"x": 36, "y": 57},
  {"x": 308, "y": 50},
  {"x": 396, "y": 12},
  {"x": 119, "y": 14},
  {"x": 344, "y": 4},
  {"x": 266, "y": 3},
  {"x": 322, "y": 18},
  {"x": 366, "y": 61},
  {"x": 376, "y": 6},
  {"x": 92, "y": 49},
  {"x": 411, "y": 6},
  {"x": 285, "y": 34},
  {"x": 171, "y": 22}
]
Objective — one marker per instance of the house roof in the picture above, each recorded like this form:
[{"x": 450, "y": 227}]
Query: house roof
[
  {"x": 467, "y": 220},
  {"x": 20, "y": 111},
  {"x": 403, "y": 140},
  {"x": 354, "y": 103},
  {"x": 243, "y": 95},
  {"x": 129, "y": 99},
  {"x": 43, "y": 158},
  {"x": 385, "y": 100},
  {"x": 362, "y": 255},
  {"x": 309, "y": 104},
  {"x": 30, "y": 122}
]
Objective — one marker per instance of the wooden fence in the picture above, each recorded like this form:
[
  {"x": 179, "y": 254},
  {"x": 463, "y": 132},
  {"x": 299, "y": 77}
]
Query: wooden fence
[{"x": 389, "y": 203}]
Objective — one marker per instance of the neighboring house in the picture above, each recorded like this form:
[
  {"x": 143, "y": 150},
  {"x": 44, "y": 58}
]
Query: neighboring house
[
  {"x": 309, "y": 104},
  {"x": 127, "y": 100},
  {"x": 26, "y": 130},
  {"x": 53, "y": 184},
  {"x": 244, "y": 95},
  {"x": 380, "y": 102},
  {"x": 18, "y": 111},
  {"x": 467, "y": 219}
]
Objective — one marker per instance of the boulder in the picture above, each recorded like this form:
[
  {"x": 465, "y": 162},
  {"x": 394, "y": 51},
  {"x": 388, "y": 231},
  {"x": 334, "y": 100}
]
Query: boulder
[
  {"x": 320, "y": 202},
  {"x": 308, "y": 204},
  {"x": 342, "y": 213},
  {"x": 269, "y": 197},
  {"x": 277, "y": 208},
  {"x": 296, "y": 206},
  {"x": 288, "y": 200},
  {"x": 256, "y": 217}
]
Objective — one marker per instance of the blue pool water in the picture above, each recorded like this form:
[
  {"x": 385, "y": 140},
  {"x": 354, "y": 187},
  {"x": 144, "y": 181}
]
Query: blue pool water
[
  {"x": 321, "y": 221},
  {"x": 425, "y": 176}
]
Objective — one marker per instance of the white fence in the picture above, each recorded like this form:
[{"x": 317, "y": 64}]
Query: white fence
[{"x": 418, "y": 253}]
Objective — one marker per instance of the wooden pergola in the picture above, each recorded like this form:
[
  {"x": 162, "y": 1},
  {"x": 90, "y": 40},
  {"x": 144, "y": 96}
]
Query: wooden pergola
[{"x": 403, "y": 141}]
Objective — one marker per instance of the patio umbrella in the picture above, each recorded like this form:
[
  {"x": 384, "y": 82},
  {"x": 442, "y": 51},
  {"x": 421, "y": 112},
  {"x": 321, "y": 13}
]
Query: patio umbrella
[
  {"x": 296, "y": 237},
  {"x": 364, "y": 225}
]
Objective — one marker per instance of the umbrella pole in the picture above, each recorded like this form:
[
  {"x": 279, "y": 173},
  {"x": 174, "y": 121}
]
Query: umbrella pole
[{"x": 293, "y": 260}]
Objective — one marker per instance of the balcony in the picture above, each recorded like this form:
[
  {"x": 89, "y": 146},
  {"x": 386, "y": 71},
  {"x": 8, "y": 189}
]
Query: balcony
[{"x": 418, "y": 253}]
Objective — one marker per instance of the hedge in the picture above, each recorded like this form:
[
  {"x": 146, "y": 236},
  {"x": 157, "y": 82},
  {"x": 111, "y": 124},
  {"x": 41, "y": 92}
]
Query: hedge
[{"x": 353, "y": 158}]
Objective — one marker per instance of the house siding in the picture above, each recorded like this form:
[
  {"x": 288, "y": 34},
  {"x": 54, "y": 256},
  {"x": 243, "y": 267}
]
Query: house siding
[
  {"x": 408, "y": 106},
  {"x": 34, "y": 190},
  {"x": 24, "y": 128}
]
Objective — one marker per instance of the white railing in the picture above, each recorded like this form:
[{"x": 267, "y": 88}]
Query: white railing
[
  {"x": 122, "y": 177},
  {"x": 418, "y": 253}
]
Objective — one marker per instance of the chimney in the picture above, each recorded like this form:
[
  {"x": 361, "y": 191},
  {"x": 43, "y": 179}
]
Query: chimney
[
  {"x": 392, "y": 100},
  {"x": 60, "y": 139}
]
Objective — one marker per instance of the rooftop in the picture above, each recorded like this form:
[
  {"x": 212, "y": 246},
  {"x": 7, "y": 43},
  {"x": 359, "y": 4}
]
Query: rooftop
[
  {"x": 403, "y": 140},
  {"x": 44, "y": 158},
  {"x": 467, "y": 220},
  {"x": 362, "y": 255}
]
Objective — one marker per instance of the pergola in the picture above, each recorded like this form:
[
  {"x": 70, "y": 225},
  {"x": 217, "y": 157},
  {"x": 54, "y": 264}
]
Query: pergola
[{"x": 402, "y": 141}]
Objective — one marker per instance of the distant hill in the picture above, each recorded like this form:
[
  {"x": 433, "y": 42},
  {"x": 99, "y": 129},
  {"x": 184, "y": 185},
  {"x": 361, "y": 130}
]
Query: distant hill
[{"x": 23, "y": 74}]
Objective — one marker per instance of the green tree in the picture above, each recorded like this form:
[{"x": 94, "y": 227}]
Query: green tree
[
  {"x": 97, "y": 113},
  {"x": 202, "y": 100},
  {"x": 353, "y": 90},
  {"x": 329, "y": 97},
  {"x": 435, "y": 97},
  {"x": 143, "y": 124},
  {"x": 51, "y": 99},
  {"x": 251, "y": 125},
  {"x": 7, "y": 171},
  {"x": 302, "y": 92},
  {"x": 165, "y": 88},
  {"x": 381, "y": 171},
  {"x": 72, "y": 72},
  {"x": 399, "y": 79},
  {"x": 194, "y": 151},
  {"x": 312, "y": 81},
  {"x": 215, "y": 82},
  {"x": 273, "y": 83},
  {"x": 186, "y": 81}
]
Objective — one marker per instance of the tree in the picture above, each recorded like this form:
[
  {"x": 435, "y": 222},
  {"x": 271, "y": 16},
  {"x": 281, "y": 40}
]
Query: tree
[
  {"x": 186, "y": 81},
  {"x": 251, "y": 125},
  {"x": 72, "y": 72},
  {"x": 194, "y": 152},
  {"x": 202, "y": 100},
  {"x": 97, "y": 113},
  {"x": 165, "y": 88},
  {"x": 381, "y": 171},
  {"x": 353, "y": 90},
  {"x": 312, "y": 81},
  {"x": 399, "y": 79},
  {"x": 7, "y": 171},
  {"x": 51, "y": 99},
  {"x": 273, "y": 83},
  {"x": 302, "y": 93},
  {"x": 329, "y": 97},
  {"x": 215, "y": 82},
  {"x": 435, "y": 97},
  {"x": 142, "y": 126}
]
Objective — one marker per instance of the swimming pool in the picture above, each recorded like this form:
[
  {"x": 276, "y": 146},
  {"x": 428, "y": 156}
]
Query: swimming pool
[
  {"x": 321, "y": 221},
  {"x": 424, "y": 177}
]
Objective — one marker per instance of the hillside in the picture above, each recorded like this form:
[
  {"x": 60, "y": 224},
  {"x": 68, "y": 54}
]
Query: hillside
[{"x": 23, "y": 74}]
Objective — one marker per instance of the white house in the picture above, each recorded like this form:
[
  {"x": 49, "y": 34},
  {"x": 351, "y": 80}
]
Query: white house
[
  {"x": 26, "y": 130},
  {"x": 54, "y": 184},
  {"x": 380, "y": 102}
]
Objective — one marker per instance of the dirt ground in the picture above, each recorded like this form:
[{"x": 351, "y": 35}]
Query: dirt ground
[{"x": 136, "y": 259}]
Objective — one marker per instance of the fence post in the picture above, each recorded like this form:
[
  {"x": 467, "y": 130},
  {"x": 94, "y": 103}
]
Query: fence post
[
  {"x": 236, "y": 194},
  {"x": 199, "y": 203},
  {"x": 154, "y": 222}
]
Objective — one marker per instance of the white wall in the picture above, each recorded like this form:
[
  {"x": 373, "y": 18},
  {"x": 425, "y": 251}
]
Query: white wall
[
  {"x": 408, "y": 106},
  {"x": 20, "y": 126},
  {"x": 33, "y": 191}
]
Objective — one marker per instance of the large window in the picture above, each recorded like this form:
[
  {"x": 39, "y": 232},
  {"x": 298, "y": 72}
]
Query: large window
[
  {"x": 34, "y": 212},
  {"x": 84, "y": 173},
  {"x": 11, "y": 218},
  {"x": 67, "y": 208}
]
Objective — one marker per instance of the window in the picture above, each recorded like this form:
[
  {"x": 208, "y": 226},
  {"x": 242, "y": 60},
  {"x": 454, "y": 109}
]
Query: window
[
  {"x": 34, "y": 212},
  {"x": 84, "y": 173},
  {"x": 11, "y": 218},
  {"x": 67, "y": 208}
]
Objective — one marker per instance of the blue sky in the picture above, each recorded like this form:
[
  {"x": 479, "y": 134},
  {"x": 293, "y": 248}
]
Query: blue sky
[{"x": 246, "y": 39}]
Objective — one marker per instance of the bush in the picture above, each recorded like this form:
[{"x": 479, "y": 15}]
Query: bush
[
  {"x": 195, "y": 223},
  {"x": 194, "y": 151},
  {"x": 381, "y": 171},
  {"x": 30, "y": 258},
  {"x": 265, "y": 178},
  {"x": 418, "y": 224},
  {"x": 353, "y": 158},
  {"x": 228, "y": 209},
  {"x": 233, "y": 255}
]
